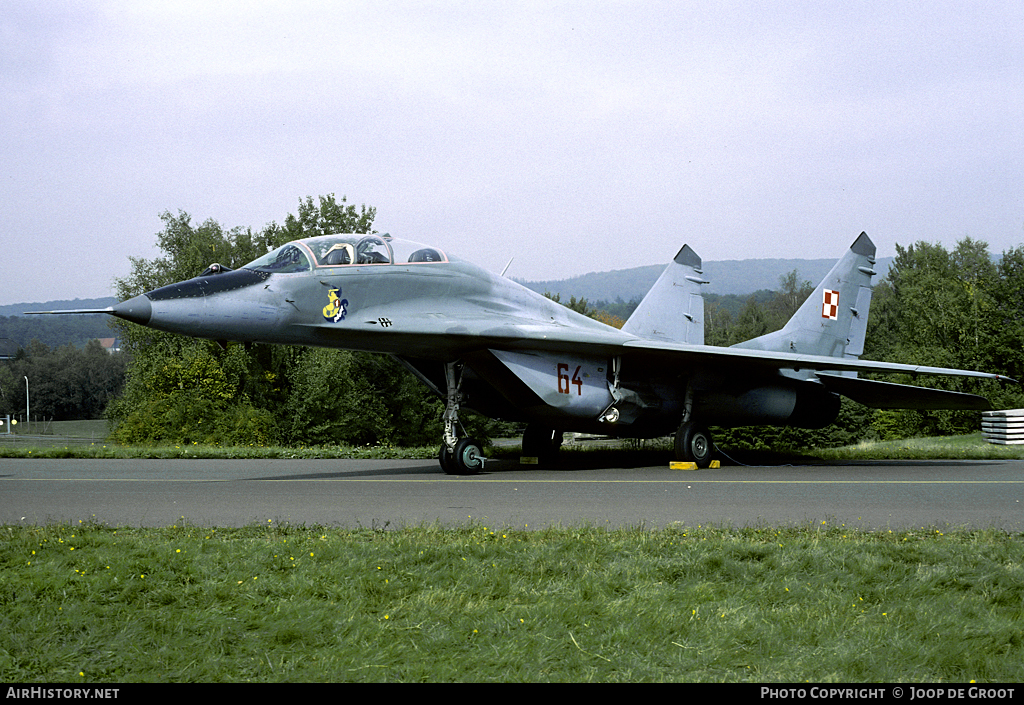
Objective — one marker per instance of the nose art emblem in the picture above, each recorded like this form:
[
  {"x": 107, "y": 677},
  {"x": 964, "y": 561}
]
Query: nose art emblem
[{"x": 336, "y": 307}]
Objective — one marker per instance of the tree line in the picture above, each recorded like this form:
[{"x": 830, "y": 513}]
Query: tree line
[
  {"x": 64, "y": 383},
  {"x": 52, "y": 331},
  {"x": 950, "y": 308}
]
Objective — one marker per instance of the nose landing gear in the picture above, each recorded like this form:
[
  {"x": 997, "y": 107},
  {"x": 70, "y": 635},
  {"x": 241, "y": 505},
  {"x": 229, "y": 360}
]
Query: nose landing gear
[
  {"x": 466, "y": 459},
  {"x": 457, "y": 456}
]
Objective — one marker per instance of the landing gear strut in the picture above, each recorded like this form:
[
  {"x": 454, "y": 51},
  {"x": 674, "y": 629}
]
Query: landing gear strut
[
  {"x": 693, "y": 444},
  {"x": 457, "y": 456}
]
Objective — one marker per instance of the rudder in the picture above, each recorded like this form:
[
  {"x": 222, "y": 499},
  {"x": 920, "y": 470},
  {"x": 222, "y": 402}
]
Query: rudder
[{"x": 833, "y": 320}]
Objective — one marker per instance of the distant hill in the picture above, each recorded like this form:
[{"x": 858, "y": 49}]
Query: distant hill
[
  {"x": 19, "y": 309},
  {"x": 54, "y": 331},
  {"x": 737, "y": 277}
]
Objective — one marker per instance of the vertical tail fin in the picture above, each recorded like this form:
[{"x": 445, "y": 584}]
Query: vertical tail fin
[
  {"x": 834, "y": 319},
  {"x": 673, "y": 310}
]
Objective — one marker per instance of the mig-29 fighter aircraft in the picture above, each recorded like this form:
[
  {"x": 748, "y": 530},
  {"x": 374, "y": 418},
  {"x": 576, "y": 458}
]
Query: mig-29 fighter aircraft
[{"x": 484, "y": 342}]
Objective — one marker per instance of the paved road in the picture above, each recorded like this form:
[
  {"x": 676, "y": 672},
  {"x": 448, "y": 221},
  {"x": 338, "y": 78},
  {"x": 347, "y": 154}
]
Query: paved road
[{"x": 396, "y": 493}]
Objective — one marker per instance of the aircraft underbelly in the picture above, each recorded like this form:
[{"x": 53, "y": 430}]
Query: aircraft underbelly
[
  {"x": 782, "y": 402},
  {"x": 572, "y": 385}
]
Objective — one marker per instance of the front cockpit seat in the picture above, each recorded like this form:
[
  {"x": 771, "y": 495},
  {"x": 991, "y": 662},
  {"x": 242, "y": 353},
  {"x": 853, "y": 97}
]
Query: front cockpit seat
[{"x": 339, "y": 254}]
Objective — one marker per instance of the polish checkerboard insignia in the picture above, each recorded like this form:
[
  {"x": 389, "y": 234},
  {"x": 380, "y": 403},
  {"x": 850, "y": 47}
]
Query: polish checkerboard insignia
[{"x": 830, "y": 305}]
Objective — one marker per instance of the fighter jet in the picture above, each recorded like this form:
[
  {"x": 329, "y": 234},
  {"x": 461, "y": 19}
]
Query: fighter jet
[{"x": 483, "y": 342}]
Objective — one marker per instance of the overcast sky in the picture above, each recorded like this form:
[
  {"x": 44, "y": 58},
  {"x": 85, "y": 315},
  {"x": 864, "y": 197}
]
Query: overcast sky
[{"x": 577, "y": 136}]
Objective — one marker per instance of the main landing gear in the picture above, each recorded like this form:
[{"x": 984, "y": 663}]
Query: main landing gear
[
  {"x": 693, "y": 444},
  {"x": 457, "y": 456}
]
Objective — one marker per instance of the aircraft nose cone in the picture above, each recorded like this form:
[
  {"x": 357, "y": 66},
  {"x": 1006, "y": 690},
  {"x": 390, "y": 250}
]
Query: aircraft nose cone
[{"x": 137, "y": 310}]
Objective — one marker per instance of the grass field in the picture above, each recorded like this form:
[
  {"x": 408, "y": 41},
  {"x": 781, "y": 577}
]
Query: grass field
[
  {"x": 827, "y": 603},
  {"x": 97, "y": 429}
]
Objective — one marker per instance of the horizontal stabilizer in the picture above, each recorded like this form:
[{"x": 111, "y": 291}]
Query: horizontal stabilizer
[{"x": 889, "y": 395}]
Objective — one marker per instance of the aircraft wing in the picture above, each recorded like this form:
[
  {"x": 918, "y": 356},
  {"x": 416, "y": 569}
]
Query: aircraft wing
[
  {"x": 888, "y": 395},
  {"x": 733, "y": 358},
  {"x": 453, "y": 335}
]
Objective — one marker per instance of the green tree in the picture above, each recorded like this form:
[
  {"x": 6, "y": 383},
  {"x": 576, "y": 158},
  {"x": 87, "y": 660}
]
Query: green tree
[
  {"x": 717, "y": 324},
  {"x": 763, "y": 312},
  {"x": 573, "y": 304},
  {"x": 339, "y": 396},
  {"x": 12, "y": 398},
  {"x": 754, "y": 320},
  {"x": 791, "y": 294},
  {"x": 194, "y": 397},
  {"x": 65, "y": 383},
  {"x": 325, "y": 217},
  {"x": 945, "y": 309},
  {"x": 935, "y": 306},
  {"x": 1006, "y": 329}
]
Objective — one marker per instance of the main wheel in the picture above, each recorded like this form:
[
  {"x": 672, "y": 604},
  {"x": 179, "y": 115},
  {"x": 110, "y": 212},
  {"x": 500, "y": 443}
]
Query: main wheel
[{"x": 693, "y": 444}]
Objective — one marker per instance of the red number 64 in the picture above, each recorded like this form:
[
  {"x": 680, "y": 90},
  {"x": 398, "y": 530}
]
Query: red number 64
[{"x": 564, "y": 382}]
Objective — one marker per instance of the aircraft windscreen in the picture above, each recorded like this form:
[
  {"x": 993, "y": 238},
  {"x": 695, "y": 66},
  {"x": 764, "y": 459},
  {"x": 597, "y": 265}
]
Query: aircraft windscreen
[
  {"x": 331, "y": 250},
  {"x": 284, "y": 260},
  {"x": 334, "y": 250},
  {"x": 414, "y": 252}
]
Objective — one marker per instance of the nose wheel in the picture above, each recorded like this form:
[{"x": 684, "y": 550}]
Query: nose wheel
[
  {"x": 466, "y": 459},
  {"x": 458, "y": 456}
]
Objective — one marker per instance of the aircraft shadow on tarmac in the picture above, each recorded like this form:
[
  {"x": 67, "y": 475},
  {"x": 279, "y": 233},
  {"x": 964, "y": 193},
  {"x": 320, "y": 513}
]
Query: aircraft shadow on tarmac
[
  {"x": 428, "y": 468},
  {"x": 620, "y": 459}
]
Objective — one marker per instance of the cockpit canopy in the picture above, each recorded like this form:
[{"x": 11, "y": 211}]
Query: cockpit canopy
[{"x": 344, "y": 250}]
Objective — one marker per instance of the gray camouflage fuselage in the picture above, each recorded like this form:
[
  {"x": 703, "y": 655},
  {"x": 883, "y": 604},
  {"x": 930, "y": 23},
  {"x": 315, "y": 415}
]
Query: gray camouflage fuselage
[{"x": 525, "y": 357}]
